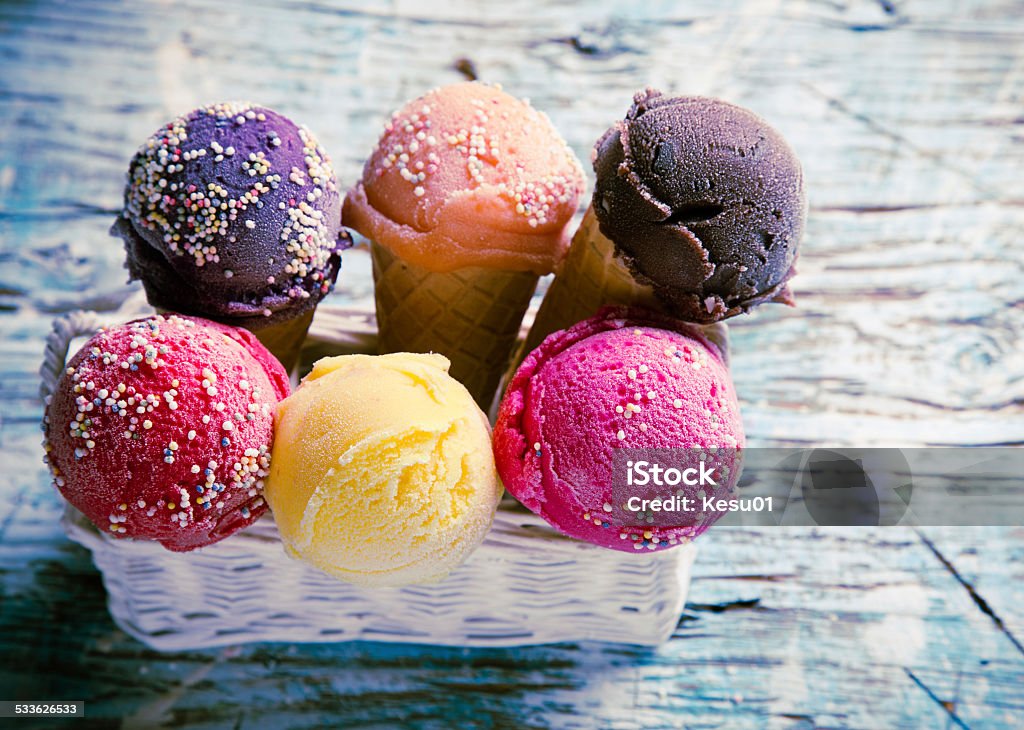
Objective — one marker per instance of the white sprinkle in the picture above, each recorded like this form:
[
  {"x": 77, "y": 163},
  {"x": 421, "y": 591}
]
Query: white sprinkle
[{"x": 620, "y": 435}]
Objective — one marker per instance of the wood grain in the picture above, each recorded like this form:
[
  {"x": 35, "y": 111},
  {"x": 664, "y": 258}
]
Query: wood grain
[{"x": 908, "y": 117}]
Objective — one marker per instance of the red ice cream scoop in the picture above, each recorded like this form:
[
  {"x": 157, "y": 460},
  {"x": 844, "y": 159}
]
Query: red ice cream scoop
[{"x": 161, "y": 429}]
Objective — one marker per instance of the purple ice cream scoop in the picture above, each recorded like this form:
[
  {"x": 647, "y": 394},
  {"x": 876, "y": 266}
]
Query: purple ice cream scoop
[
  {"x": 704, "y": 201},
  {"x": 232, "y": 212}
]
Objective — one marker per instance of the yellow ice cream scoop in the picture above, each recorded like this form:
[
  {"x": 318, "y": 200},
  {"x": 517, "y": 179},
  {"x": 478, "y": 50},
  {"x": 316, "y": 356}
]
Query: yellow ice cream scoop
[{"x": 382, "y": 471}]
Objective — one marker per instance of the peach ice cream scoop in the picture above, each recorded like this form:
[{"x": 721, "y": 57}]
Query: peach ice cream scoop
[{"x": 468, "y": 175}]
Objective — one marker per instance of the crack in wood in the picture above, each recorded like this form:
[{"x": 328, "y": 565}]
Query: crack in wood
[
  {"x": 158, "y": 709},
  {"x": 777, "y": 578},
  {"x": 888, "y": 7},
  {"x": 879, "y": 209},
  {"x": 978, "y": 599},
  {"x": 740, "y": 604},
  {"x": 76, "y": 212},
  {"x": 902, "y": 140},
  {"x": 982, "y": 407},
  {"x": 948, "y": 707}
]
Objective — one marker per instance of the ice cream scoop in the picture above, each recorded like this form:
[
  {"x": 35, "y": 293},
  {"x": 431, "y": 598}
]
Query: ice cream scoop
[
  {"x": 466, "y": 199},
  {"x": 161, "y": 429},
  {"x": 468, "y": 175},
  {"x": 625, "y": 379},
  {"x": 232, "y": 212},
  {"x": 705, "y": 202},
  {"x": 382, "y": 470}
]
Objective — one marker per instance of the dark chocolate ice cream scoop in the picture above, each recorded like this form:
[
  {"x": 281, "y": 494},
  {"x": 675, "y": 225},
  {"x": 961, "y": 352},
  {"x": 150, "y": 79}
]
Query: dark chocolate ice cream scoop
[
  {"x": 232, "y": 212},
  {"x": 704, "y": 201}
]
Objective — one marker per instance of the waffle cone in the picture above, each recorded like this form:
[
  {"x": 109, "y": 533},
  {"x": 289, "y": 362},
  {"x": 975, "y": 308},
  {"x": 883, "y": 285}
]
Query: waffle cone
[
  {"x": 471, "y": 316},
  {"x": 284, "y": 340},
  {"x": 591, "y": 277}
]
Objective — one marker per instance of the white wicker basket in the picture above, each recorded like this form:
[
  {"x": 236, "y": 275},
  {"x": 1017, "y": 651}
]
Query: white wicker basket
[{"x": 526, "y": 584}]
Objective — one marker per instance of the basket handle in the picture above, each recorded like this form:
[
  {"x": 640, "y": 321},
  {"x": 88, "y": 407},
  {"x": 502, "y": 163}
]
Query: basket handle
[{"x": 65, "y": 328}]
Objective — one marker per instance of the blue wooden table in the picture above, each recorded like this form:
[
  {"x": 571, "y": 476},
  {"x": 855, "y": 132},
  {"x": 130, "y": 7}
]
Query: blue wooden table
[{"x": 909, "y": 117}]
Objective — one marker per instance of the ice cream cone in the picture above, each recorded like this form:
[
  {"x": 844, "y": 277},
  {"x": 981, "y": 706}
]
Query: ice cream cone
[
  {"x": 470, "y": 315},
  {"x": 284, "y": 340},
  {"x": 591, "y": 277}
]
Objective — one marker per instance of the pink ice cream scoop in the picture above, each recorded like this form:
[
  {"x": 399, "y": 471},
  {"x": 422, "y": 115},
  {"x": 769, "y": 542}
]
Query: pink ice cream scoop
[
  {"x": 625, "y": 379},
  {"x": 469, "y": 176},
  {"x": 161, "y": 429}
]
